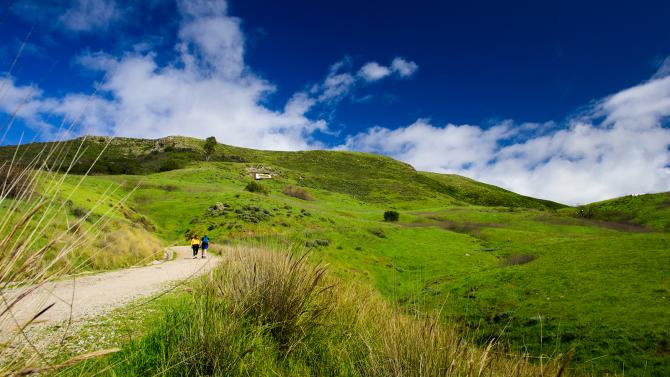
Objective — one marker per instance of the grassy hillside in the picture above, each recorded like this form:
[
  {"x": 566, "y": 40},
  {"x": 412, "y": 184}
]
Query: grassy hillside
[
  {"x": 502, "y": 265},
  {"x": 91, "y": 215},
  {"x": 539, "y": 280},
  {"x": 363, "y": 176},
  {"x": 650, "y": 210},
  {"x": 478, "y": 193}
]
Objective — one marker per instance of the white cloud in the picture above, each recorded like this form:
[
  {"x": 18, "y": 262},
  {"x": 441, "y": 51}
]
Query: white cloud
[
  {"x": 335, "y": 86},
  {"x": 341, "y": 80},
  {"x": 618, "y": 147},
  {"x": 207, "y": 91},
  {"x": 625, "y": 152},
  {"x": 403, "y": 67},
  {"x": 90, "y": 15},
  {"x": 372, "y": 71}
]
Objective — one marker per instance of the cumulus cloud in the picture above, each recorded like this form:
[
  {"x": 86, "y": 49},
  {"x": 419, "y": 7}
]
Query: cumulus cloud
[
  {"x": 618, "y": 147},
  {"x": 341, "y": 80},
  {"x": 373, "y": 71},
  {"x": 403, "y": 67},
  {"x": 207, "y": 91},
  {"x": 337, "y": 84}
]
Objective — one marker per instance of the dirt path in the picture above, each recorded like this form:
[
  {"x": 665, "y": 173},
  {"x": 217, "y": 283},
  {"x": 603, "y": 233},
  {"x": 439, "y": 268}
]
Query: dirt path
[{"x": 97, "y": 294}]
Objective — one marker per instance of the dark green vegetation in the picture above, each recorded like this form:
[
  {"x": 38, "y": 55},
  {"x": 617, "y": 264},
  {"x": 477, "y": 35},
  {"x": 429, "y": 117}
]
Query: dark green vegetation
[
  {"x": 391, "y": 216},
  {"x": 650, "y": 210},
  {"x": 529, "y": 272}
]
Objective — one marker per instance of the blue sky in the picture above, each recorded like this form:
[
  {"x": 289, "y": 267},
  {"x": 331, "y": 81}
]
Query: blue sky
[{"x": 565, "y": 101}]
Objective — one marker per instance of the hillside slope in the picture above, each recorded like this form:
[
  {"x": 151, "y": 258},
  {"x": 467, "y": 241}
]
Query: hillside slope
[
  {"x": 651, "y": 210},
  {"x": 474, "y": 192},
  {"x": 368, "y": 177}
]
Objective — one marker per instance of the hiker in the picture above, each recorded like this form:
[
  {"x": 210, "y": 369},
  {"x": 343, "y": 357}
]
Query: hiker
[
  {"x": 204, "y": 245},
  {"x": 195, "y": 245}
]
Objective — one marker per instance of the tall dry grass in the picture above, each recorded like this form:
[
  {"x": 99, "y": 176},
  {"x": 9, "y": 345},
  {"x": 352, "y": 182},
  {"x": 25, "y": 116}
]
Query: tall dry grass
[
  {"x": 279, "y": 290},
  {"x": 266, "y": 312},
  {"x": 39, "y": 243}
]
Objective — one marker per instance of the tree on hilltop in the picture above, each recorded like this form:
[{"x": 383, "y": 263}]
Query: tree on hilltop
[{"x": 210, "y": 146}]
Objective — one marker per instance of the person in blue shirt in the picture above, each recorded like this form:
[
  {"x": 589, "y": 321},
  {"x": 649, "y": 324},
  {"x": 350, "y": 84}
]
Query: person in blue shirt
[{"x": 204, "y": 245}]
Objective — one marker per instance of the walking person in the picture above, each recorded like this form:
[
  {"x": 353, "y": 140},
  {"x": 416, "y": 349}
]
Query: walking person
[
  {"x": 204, "y": 245},
  {"x": 195, "y": 245}
]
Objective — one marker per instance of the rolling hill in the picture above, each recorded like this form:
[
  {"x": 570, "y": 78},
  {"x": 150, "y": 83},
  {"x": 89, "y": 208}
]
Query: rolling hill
[
  {"x": 529, "y": 272},
  {"x": 649, "y": 210},
  {"x": 364, "y": 176}
]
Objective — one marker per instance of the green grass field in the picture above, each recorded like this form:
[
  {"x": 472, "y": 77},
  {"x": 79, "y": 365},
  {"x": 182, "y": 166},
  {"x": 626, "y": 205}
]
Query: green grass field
[{"x": 531, "y": 273}]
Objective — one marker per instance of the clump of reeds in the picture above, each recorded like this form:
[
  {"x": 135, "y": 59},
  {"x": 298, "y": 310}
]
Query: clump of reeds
[{"x": 278, "y": 289}]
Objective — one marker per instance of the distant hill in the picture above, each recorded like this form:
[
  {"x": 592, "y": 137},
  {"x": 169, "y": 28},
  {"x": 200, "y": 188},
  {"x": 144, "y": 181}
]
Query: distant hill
[
  {"x": 474, "y": 192},
  {"x": 367, "y": 177},
  {"x": 651, "y": 210}
]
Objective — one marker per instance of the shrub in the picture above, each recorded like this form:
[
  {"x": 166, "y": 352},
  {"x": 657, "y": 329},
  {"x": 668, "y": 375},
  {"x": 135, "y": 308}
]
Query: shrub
[
  {"x": 317, "y": 243},
  {"x": 78, "y": 212},
  {"x": 322, "y": 242},
  {"x": 297, "y": 192},
  {"x": 170, "y": 164},
  {"x": 254, "y": 186},
  {"x": 391, "y": 216},
  {"x": 252, "y": 214},
  {"x": 15, "y": 182}
]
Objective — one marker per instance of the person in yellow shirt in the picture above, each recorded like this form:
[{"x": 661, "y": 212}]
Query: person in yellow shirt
[{"x": 195, "y": 245}]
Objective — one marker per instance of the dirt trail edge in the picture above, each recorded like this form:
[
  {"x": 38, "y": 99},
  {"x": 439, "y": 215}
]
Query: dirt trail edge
[{"x": 97, "y": 294}]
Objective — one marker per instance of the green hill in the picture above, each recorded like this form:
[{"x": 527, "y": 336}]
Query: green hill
[
  {"x": 478, "y": 193},
  {"x": 650, "y": 210},
  {"x": 368, "y": 177},
  {"x": 501, "y": 265}
]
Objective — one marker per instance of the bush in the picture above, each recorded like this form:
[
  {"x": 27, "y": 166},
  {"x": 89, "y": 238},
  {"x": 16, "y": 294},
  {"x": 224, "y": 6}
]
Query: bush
[
  {"x": 252, "y": 214},
  {"x": 297, "y": 192},
  {"x": 78, "y": 212},
  {"x": 170, "y": 164},
  {"x": 391, "y": 216},
  {"x": 317, "y": 243},
  {"x": 15, "y": 182},
  {"x": 254, "y": 186}
]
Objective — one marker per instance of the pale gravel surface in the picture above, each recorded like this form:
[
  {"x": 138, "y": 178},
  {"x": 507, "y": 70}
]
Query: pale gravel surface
[{"x": 95, "y": 295}]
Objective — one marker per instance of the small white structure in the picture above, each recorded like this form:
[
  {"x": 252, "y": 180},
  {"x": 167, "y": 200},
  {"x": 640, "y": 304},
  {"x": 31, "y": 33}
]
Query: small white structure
[{"x": 260, "y": 176}]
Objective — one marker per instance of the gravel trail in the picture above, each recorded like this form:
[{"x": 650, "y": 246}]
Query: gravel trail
[{"x": 94, "y": 295}]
